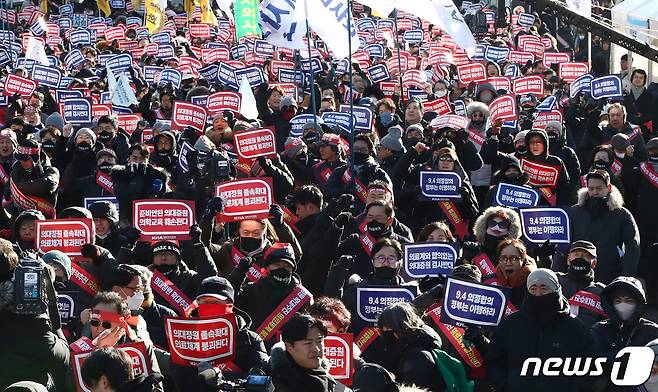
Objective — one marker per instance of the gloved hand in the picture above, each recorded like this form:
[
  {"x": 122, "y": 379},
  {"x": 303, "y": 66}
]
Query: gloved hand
[
  {"x": 345, "y": 261},
  {"x": 264, "y": 162},
  {"x": 132, "y": 235},
  {"x": 339, "y": 205},
  {"x": 209, "y": 375},
  {"x": 470, "y": 250},
  {"x": 230, "y": 119},
  {"x": 544, "y": 253},
  {"x": 276, "y": 215},
  {"x": 195, "y": 233},
  {"x": 245, "y": 263},
  {"x": 215, "y": 205},
  {"x": 427, "y": 283},
  {"x": 342, "y": 219},
  {"x": 90, "y": 251},
  {"x": 473, "y": 336},
  {"x": 462, "y": 135}
]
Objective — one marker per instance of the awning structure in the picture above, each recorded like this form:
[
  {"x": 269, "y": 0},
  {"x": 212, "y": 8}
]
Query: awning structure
[{"x": 637, "y": 18}]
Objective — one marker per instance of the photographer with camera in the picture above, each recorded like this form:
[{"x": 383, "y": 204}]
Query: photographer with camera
[{"x": 33, "y": 347}]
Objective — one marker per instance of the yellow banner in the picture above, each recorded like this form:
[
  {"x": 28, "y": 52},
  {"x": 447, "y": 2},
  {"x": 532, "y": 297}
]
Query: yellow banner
[
  {"x": 104, "y": 5},
  {"x": 154, "y": 16},
  {"x": 207, "y": 15},
  {"x": 190, "y": 5}
]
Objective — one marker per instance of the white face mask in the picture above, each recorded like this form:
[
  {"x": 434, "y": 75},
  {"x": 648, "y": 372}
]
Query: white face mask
[
  {"x": 440, "y": 93},
  {"x": 653, "y": 379},
  {"x": 620, "y": 154},
  {"x": 135, "y": 302},
  {"x": 625, "y": 310}
]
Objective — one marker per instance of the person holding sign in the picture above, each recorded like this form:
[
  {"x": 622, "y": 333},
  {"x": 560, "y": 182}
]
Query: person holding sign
[
  {"x": 456, "y": 205},
  {"x": 331, "y": 155},
  {"x": 216, "y": 298},
  {"x": 509, "y": 173},
  {"x": 110, "y": 368},
  {"x": 546, "y": 172},
  {"x": 558, "y": 147},
  {"x": 578, "y": 283},
  {"x": 82, "y": 165},
  {"x": 600, "y": 205},
  {"x": 542, "y": 328},
  {"x": 493, "y": 226},
  {"x": 108, "y": 134}
]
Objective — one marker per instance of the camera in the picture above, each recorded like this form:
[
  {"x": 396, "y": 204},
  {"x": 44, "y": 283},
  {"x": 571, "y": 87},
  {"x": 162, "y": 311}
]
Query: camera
[
  {"x": 216, "y": 167},
  {"x": 30, "y": 297},
  {"x": 253, "y": 383}
]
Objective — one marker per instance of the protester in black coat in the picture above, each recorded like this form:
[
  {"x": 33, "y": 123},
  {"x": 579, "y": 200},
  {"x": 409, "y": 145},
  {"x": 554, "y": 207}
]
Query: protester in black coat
[
  {"x": 82, "y": 165},
  {"x": 106, "y": 220},
  {"x": 551, "y": 175},
  {"x": 542, "y": 328},
  {"x": 641, "y": 104},
  {"x": 624, "y": 302},
  {"x": 558, "y": 147}
]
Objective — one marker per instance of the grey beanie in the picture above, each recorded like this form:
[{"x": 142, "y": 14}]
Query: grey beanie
[
  {"x": 58, "y": 257},
  {"x": 86, "y": 131},
  {"x": 620, "y": 142},
  {"x": 56, "y": 121},
  {"x": 287, "y": 101},
  {"x": 310, "y": 124},
  {"x": 555, "y": 124},
  {"x": 393, "y": 141},
  {"x": 543, "y": 276},
  {"x": 652, "y": 143}
]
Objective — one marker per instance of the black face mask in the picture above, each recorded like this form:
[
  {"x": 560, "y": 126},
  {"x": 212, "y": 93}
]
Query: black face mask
[
  {"x": 477, "y": 123},
  {"x": 491, "y": 241},
  {"x": 543, "y": 307},
  {"x": 311, "y": 137},
  {"x": 601, "y": 164},
  {"x": 653, "y": 158},
  {"x": 376, "y": 229},
  {"x": 280, "y": 277},
  {"x": 48, "y": 146},
  {"x": 105, "y": 167},
  {"x": 597, "y": 204},
  {"x": 521, "y": 151},
  {"x": 166, "y": 269},
  {"x": 106, "y": 136},
  {"x": 249, "y": 244},
  {"x": 83, "y": 148},
  {"x": 164, "y": 153},
  {"x": 581, "y": 269},
  {"x": 388, "y": 337},
  {"x": 360, "y": 157},
  {"x": 386, "y": 273},
  {"x": 411, "y": 142}
]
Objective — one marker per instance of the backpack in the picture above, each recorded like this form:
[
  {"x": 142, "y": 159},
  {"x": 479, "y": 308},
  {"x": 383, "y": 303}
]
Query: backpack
[{"x": 452, "y": 371}]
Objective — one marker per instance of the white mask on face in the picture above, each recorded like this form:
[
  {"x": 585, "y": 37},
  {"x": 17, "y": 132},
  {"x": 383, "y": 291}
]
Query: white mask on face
[
  {"x": 653, "y": 379},
  {"x": 135, "y": 302},
  {"x": 624, "y": 310}
]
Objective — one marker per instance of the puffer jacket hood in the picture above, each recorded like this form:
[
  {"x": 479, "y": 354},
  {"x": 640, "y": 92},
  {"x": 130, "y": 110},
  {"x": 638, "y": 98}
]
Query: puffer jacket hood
[
  {"x": 480, "y": 226},
  {"x": 630, "y": 285},
  {"x": 541, "y": 133},
  {"x": 75, "y": 212},
  {"x": 171, "y": 136},
  {"x": 615, "y": 199},
  {"x": 25, "y": 215},
  {"x": 484, "y": 87}
]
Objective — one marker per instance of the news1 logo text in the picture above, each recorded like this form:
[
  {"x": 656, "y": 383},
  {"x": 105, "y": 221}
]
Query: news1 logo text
[{"x": 630, "y": 367}]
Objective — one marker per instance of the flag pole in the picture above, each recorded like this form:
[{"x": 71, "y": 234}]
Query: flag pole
[
  {"x": 310, "y": 68},
  {"x": 397, "y": 47},
  {"x": 351, "y": 97}
]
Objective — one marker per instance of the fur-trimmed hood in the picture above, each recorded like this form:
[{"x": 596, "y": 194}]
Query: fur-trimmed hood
[
  {"x": 615, "y": 199},
  {"x": 480, "y": 226}
]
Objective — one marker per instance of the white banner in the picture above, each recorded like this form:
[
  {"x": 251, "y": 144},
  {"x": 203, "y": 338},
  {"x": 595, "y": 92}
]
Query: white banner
[
  {"x": 329, "y": 19},
  {"x": 278, "y": 25}
]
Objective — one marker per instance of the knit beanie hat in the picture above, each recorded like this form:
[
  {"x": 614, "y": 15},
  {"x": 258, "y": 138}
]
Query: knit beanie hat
[
  {"x": 166, "y": 246},
  {"x": 218, "y": 287},
  {"x": 86, "y": 131},
  {"x": 293, "y": 146},
  {"x": 280, "y": 251},
  {"x": 59, "y": 258},
  {"x": 620, "y": 142},
  {"x": 543, "y": 276},
  {"x": 105, "y": 210},
  {"x": 393, "y": 141},
  {"x": 56, "y": 121},
  {"x": 9, "y": 134}
]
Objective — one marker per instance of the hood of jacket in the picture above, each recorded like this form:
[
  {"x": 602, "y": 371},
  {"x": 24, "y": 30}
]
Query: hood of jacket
[
  {"x": 630, "y": 285},
  {"x": 171, "y": 136},
  {"x": 27, "y": 214},
  {"x": 282, "y": 365},
  {"x": 142, "y": 383},
  {"x": 615, "y": 199},
  {"x": 485, "y": 86},
  {"x": 480, "y": 226},
  {"x": 541, "y": 133},
  {"x": 424, "y": 338}
]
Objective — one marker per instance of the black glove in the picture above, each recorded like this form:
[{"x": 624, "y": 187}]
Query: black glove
[
  {"x": 339, "y": 205},
  {"x": 470, "y": 250},
  {"x": 195, "y": 233},
  {"x": 264, "y": 162},
  {"x": 473, "y": 336},
  {"x": 215, "y": 205},
  {"x": 345, "y": 261},
  {"x": 276, "y": 215},
  {"x": 462, "y": 135},
  {"x": 342, "y": 219},
  {"x": 132, "y": 235},
  {"x": 230, "y": 119},
  {"x": 90, "y": 251},
  {"x": 429, "y": 282},
  {"x": 544, "y": 252},
  {"x": 209, "y": 375},
  {"x": 245, "y": 263}
]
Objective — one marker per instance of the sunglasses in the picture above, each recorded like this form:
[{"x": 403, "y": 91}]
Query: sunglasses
[
  {"x": 95, "y": 323},
  {"x": 502, "y": 224},
  {"x": 446, "y": 158}
]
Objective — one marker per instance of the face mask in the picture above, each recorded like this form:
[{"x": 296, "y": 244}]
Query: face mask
[
  {"x": 477, "y": 123},
  {"x": 164, "y": 153},
  {"x": 288, "y": 113},
  {"x": 542, "y": 306},
  {"x": 360, "y": 157},
  {"x": 597, "y": 204},
  {"x": 653, "y": 379},
  {"x": 580, "y": 268},
  {"x": 83, "y": 147},
  {"x": 105, "y": 136},
  {"x": 386, "y": 118},
  {"x": 620, "y": 155},
  {"x": 280, "y": 277},
  {"x": 624, "y": 310},
  {"x": 552, "y": 136},
  {"x": 105, "y": 167},
  {"x": 311, "y": 137},
  {"x": 601, "y": 164},
  {"x": 48, "y": 146},
  {"x": 440, "y": 93},
  {"x": 210, "y": 310},
  {"x": 385, "y": 273},
  {"x": 388, "y": 337},
  {"x": 411, "y": 142},
  {"x": 166, "y": 269},
  {"x": 135, "y": 302},
  {"x": 491, "y": 241},
  {"x": 376, "y": 229},
  {"x": 521, "y": 150},
  {"x": 486, "y": 97},
  {"x": 653, "y": 158},
  {"x": 249, "y": 244}
]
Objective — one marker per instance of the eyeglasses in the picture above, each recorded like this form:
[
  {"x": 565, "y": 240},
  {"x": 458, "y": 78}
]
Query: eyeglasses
[
  {"x": 386, "y": 259},
  {"x": 509, "y": 259},
  {"x": 502, "y": 224},
  {"x": 95, "y": 323}
]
